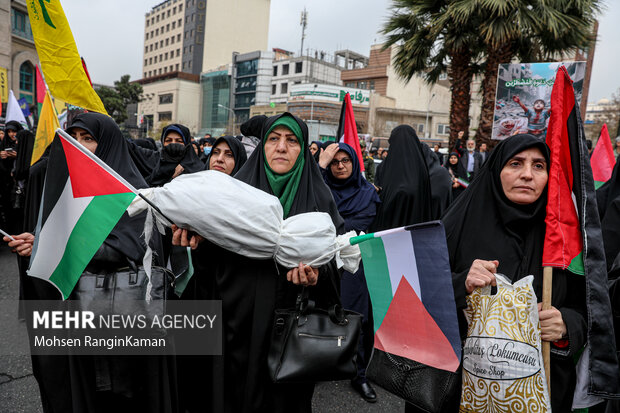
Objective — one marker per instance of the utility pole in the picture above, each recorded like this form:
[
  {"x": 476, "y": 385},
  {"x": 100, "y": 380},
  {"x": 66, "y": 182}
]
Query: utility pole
[{"x": 303, "y": 23}]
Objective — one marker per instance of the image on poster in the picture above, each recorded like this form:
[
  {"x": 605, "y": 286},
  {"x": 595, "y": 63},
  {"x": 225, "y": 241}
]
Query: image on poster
[{"x": 523, "y": 96}]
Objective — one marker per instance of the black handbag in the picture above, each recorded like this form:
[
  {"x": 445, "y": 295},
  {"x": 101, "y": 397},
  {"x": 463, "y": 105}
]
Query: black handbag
[
  {"x": 309, "y": 344},
  {"x": 427, "y": 388},
  {"x": 124, "y": 291}
]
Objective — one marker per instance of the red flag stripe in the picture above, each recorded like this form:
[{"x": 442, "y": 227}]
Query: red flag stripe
[
  {"x": 603, "y": 159},
  {"x": 349, "y": 135}
]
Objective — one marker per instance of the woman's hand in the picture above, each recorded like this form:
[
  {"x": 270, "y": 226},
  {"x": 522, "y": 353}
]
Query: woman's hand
[
  {"x": 303, "y": 275},
  {"x": 481, "y": 274},
  {"x": 178, "y": 171},
  {"x": 327, "y": 155},
  {"x": 181, "y": 237},
  {"x": 22, "y": 244},
  {"x": 552, "y": 326}
]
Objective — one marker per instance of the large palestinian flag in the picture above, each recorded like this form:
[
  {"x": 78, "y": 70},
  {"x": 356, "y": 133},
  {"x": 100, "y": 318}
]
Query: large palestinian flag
[
  {"x": 83, "y": 199},
  {"x": 573, "y": 239},
  {"x": 408, "y": 276},
  {"x": 347, "y": 129}
]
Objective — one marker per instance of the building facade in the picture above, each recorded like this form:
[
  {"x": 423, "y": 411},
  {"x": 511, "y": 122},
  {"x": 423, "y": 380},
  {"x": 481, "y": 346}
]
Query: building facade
[
  {"x": 18, "y": 55},
  {"x": 251, "y": 82},
  {"x": 216, "y": 117},
  {"x": 174, "y": 37},
  {"x": 289, "y": 70},
  {"x": 170, "y": 98}
]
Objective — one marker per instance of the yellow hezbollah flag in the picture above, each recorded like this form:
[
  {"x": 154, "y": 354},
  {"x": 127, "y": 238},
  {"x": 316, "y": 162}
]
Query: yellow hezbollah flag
[
  {"x": 60, "y": 60},
  {"x": 46, "y": 128}
]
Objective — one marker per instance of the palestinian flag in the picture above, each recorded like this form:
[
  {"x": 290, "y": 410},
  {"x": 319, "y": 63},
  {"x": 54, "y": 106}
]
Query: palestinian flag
[
  {"x": 347, "y": 129},
  {"x": 41, "y": 90},
  {"x": 408, "y": 276},
  {"x": 83, "y": 199},
  {"x": 602, "y": 159},
  {"x": 573, "y": 238}
]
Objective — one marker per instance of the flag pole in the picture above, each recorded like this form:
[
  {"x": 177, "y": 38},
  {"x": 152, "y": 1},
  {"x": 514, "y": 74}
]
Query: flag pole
[{"x": 546, "y": 305}]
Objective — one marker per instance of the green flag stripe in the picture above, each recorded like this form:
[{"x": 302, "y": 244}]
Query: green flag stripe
[
  {"x": 598, "y": 184},
  {"x": 576, "y": 265},
  {"x": 93, "y": 227},
  {"x": 361, "y": 238},
  {"x": 377, "y": 278}
]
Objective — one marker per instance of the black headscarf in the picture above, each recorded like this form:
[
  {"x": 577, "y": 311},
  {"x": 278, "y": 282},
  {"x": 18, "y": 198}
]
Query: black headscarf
[
  {"x": 441, "y": 183},
  {"x": 405, "y": 182},
  {"x": 237, "y": 149},
  {"x": 312, "y": 193},
  {"x": 483, "y": 224},
  {"x": 6, "y": 165},
  {"x": 12, "y": 125},
  {"x": 114, "y": 150},
  {"x": 354, "y": 194},
  {"x": 318, "y": 151},
  {"x": 168, "y": 161},
  {"x": 146, "y": 143},
  {"x": 25, "y": 145},
  {"x": 253, "y": 126},
  {"x": 458, "y": 170}
]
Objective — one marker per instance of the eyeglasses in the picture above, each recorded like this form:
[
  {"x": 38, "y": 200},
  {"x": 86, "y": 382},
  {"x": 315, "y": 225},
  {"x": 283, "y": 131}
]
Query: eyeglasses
[{"x": 344, "y": 161}]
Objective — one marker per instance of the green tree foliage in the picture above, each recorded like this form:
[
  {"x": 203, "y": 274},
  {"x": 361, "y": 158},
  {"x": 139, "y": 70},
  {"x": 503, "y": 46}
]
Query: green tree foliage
[
  {"x": 117, "y": 98},
  {"x": 464, "y": 36}
]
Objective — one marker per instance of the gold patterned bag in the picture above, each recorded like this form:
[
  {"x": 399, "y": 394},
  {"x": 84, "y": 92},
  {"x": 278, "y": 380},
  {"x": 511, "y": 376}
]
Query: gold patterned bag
[{"x": 503, "y": 368}]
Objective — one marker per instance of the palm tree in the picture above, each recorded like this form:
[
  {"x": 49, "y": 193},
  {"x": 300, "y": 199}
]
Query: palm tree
[
  {"x": 533, "y": 30},
  {"x": 429, "y": 44}
]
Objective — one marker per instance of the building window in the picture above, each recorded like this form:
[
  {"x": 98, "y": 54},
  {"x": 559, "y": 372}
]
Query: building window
[
  {"x": 179, "y": 22},
  {"x": 144, "y": 74},
  {"x": 161, "y": 43},
  {"x": 146, "y": 49},
  {"x": 150, "y": 73},
  {"x": 21, "y": 24},
  {"x": 174, "y": 24},
  {"x": 249, "y": 67},
  {"x": 180, "y": 7},
  {"x": 191, "y": 48},
  {"x": 162, "y": 116},
  {"x": 168, "y": 27},
  {"x": 273, "y": 87},
  {"x": 177, "y": 66},
  {"x": 372, "y": 85},
  {"x": 166, "y": 69},
  {"x": 420, "y": 128},
  {"x": 191, "y": 33},
  {"x": 443, "y": 129},
  {"x": 156, "y": 32},
  {"x": 174, "y": 10},
  {"x": 156, "y": 45},
  {"x": 147, "y": 36},
  {"x": 166, "y": 42},
  {"x": 26, "y": 74},
  {"x": 275, "y": 70},
  {"x": 152, "y": 33},
  {"x": 152, "y": 20},
  {"x": 172, "y": 40},
  {"x": 159, "y": 70},
  {"x": 157, "y": 18},
  {"x": 246, "y": 84},
  {"x": 150, "y": 60},
  {"x": 178, "y": 52},
  {"x": 168, "y": 14},
  {"x": 147, "y": 22},
  {"x": 349, "y": 84},
  {"x": 146, "y": 62},
  {"x": 284, "y": 88},
  {"x": 166, "y": 56},
  {"x": 179, "y": 37},
  {"x": 443, "y": 76},
  {"x": 299, "y": 67},
  {"x": 171, "y": 67},
  {"x": 285, "y": 69}
]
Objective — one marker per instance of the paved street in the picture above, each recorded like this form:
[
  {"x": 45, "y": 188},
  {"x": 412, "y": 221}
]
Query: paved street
[{"x": 19, "y": 392}]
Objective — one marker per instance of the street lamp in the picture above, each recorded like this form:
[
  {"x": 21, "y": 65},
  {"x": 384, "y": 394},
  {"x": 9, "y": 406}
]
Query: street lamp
[
  {"x": 230, "y": 117},
  {"x": 428, "y": 108}
]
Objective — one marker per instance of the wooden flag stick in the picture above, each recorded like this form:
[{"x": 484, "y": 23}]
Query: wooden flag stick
[{"x": 546, "y": 305}]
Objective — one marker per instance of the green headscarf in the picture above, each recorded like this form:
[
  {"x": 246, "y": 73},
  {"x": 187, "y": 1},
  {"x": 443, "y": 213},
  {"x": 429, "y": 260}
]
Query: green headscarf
[{"x": 284, "y": 186}]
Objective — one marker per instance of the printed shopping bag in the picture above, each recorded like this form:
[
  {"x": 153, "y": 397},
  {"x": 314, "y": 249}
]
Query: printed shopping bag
[{"x": 503, "y": 368}]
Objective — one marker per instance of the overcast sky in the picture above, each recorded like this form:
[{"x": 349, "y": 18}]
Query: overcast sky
[{"x": 109, "y": 34}]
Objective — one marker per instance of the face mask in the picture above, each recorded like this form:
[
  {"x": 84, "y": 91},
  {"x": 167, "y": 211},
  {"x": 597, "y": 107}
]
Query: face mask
[
  {"x": 174, "y": 151},
  {"x": 207, "y": 149}
]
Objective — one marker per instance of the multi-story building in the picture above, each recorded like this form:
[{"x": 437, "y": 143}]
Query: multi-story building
[
  {"x": 315, "y": 67},
  {"x": 174, "y": 37},
  {"x": 394, "y": 101},
  {"x": 199, "y": 36},
  {"x": 251, "y": 85},
  {"x": 18, "y": 55}
]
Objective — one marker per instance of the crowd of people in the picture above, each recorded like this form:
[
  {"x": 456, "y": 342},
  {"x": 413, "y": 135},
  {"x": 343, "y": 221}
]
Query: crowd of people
[{"x": 492, "y": 204}]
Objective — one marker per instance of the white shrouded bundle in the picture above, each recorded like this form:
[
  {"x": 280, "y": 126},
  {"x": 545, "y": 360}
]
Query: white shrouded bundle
[{"x": 248, "y": 221}]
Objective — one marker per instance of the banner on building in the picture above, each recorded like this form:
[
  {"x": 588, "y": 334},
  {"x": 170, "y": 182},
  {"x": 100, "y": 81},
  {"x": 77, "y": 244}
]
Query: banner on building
[
  {"x": 523, "y": 96},
  {"x": 4, "y": 85},
  {"x": 329, "y": 93}
]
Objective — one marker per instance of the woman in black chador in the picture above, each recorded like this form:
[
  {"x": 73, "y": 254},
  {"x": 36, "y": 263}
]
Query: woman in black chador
[
  {"x": 405, "y": 184},
  {"x": 252, "y": 289},
  {"x": 177, "y": 156},
  {"x": 498, "y": 226},
  {"x": 96, "y": 383}
]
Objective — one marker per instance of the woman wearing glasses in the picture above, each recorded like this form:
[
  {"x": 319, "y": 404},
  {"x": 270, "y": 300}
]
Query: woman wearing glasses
[{"x": 357, "y": 203}]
